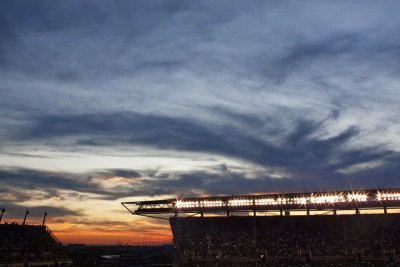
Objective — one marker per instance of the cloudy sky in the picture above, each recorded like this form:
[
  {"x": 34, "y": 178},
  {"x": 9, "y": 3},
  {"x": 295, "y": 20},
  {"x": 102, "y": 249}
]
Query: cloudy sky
[{"x": 109, "y": 101}]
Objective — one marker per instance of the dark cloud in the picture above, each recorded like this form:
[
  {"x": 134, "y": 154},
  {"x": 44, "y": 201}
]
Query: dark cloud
[
  {"x": 125, "y": 173},
  {"x": 219, "y": 181},
  {"x": 299, "y": 148},
  {"x": 39, "y": 180},
  {"x": 26, "y": 184},
  {"x": 17, "y": 211},
  {"x": 125, "y": 30},
  {"x": 24, "y": 155},
  {"x": 318, "y": 58},
  {"x": 226, "y": 182},
  {"x": 118, "y": 40},
  {"x": 20, "y": 185}
]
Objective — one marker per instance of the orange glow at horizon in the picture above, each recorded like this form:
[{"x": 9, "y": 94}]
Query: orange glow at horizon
[{"x": 137, "y": 232}]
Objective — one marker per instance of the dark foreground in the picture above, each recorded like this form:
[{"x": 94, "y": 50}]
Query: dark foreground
[{"x": 121, "y": 256}]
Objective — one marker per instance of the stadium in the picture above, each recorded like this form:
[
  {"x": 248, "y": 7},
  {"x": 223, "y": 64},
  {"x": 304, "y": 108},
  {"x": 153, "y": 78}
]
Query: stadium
[
  {"x": 350, "y": 228},
  {"x": 30, "y": 245}
]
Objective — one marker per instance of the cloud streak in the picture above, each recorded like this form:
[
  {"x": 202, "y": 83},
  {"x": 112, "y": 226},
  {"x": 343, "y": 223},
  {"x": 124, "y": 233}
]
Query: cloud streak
[{"x": 298, "y": 148}]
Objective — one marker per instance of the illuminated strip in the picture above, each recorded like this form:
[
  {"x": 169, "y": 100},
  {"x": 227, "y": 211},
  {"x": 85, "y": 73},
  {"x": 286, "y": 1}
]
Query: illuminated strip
[
  {"x": 212, "y": 203},
  {"x": 387, "y": 196},
  {"x": 297, "y": 200},
  {"x": 359, "y": 197},
  {"x": 199, "y": 203},
  {"x": 267, "y": 202},
  {"x": 240, "y": 202},
  {"x": 315, "y": 199}
]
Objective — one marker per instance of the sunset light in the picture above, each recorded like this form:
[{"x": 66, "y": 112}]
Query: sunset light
[{"x": 192, "y": 115}]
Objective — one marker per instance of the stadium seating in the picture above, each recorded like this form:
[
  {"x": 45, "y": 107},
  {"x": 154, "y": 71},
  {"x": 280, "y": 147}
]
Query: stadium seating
[
  {"x": 341, "y": 240},
  {"x": 30, "y": 245}
]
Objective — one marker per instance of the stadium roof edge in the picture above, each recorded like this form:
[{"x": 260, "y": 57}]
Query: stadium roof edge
[
  {"x": 363, "y": 198},
  {"x": 290, "y": 194}
]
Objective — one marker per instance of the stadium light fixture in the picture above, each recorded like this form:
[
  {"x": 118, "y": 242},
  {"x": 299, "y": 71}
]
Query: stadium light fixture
[
  {"x": 240, "y": 202},
  {"x": 266, "y": 202},
  {"x": 357, "y": 196},
  {"x": 300, "y": 200},
  {"x": 277, "y": 200},
  {"x": 380, "y": 198},
  {"x": 211, "y": 203},
  {"x": 388, "y": 196},
  {"x": 328, "y": 198},
  {"x": 282, "y": 200},
  {"x": 198, "y": 203}
]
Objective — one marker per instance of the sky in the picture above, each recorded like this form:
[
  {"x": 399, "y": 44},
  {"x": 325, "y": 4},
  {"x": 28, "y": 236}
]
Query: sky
[{"x": 110, "y": 101}]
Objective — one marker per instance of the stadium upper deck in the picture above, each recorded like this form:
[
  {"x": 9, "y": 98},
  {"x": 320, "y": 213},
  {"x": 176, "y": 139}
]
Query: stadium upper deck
[
  {"x": 30, "y": 245},
  {"x": 334, "y": 200}
]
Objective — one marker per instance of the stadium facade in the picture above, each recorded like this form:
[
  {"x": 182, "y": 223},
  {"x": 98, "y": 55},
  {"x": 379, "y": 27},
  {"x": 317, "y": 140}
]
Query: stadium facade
[
  {"x": 338, "y": 228},
  {"x": 30, "y": 245}
]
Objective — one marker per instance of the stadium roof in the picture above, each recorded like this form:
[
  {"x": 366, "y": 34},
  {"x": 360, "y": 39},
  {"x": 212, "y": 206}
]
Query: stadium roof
[{"x": 337, "y": 200}]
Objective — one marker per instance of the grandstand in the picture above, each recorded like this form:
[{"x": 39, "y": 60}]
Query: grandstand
[
  {"x": 351, "y": 228},
  {"x": 30, "y": 245}
]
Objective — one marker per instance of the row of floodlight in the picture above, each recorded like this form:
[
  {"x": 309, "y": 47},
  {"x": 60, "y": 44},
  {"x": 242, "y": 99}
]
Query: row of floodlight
[
  {"x": 276, "y": 201},
  {"x": 387, "y": 196}
]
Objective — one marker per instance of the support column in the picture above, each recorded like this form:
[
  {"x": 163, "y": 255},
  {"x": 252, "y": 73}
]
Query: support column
[
  {"x": 2, "y": 211},
  {"x": 44, "y": 218},
  {"x": 254, "y": 207},
  {"x": 26, "y": 214}
]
